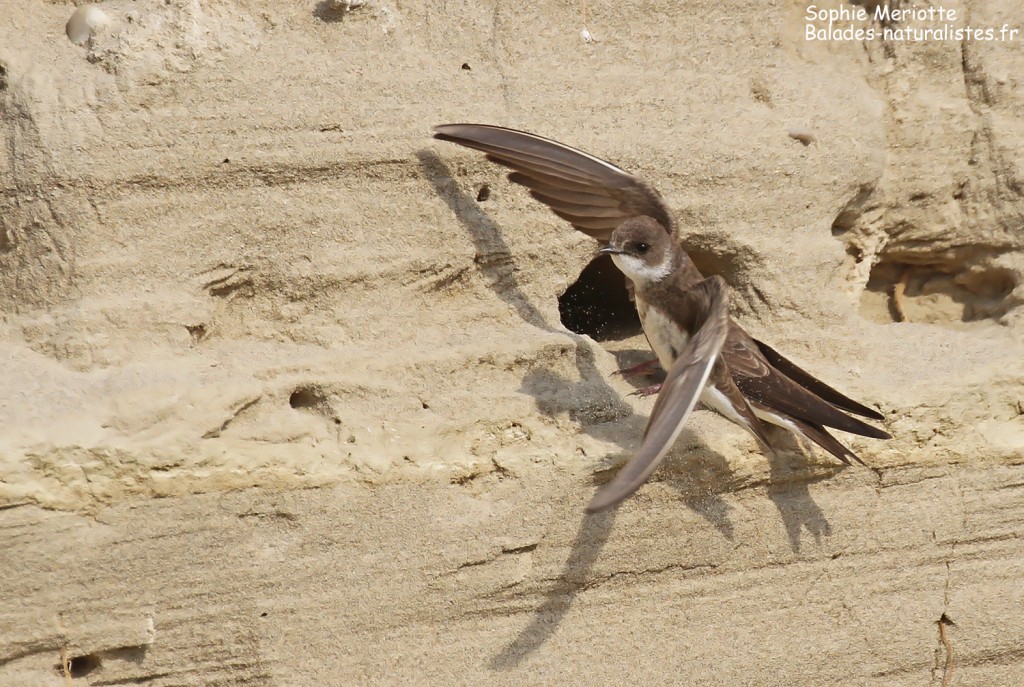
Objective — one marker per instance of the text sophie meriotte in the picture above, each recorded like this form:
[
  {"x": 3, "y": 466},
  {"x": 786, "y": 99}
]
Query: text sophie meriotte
[{"x": 882, "y": 13}]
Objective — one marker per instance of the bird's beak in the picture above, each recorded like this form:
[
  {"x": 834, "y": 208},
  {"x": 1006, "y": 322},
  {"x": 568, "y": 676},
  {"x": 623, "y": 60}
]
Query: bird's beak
[{"x": 611, "y": 250}]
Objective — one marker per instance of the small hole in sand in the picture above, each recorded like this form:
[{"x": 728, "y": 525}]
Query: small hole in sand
[
  {"x": 307, "y": 397},
  {"x": 196, "y": 331},
  {"x": 79, "y": 666},
  {"x": 597, "y": 303}
]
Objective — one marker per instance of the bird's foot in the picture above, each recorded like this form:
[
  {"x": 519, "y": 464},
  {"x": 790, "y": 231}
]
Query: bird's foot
[
  {"x": 648, "y": 367},
  {"x": 647, "y": 391}
]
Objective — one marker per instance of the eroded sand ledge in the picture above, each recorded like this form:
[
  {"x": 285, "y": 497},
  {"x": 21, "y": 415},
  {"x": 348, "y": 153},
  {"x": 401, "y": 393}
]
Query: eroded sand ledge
[{"x": 208, "y": 210}]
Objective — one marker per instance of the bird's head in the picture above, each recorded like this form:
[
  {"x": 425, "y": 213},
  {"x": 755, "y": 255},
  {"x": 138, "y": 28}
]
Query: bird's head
[{"x": 642, "y": 249}]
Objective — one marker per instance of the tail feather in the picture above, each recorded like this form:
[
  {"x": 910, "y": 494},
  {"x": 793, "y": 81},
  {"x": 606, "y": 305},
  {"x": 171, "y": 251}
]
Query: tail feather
[
  {"x": 819, "y": 435},
  {"x": 814, "y": 385}
]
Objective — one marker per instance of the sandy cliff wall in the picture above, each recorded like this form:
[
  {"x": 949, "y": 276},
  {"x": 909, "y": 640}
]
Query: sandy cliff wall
[{"x": 286, "y": 404}]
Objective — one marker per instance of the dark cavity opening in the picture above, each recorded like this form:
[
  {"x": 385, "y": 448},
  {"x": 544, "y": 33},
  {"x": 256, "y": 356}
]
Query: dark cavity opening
[
  {"x": 597, "y": 303},
  {"x": 79, "y": 666},
  {"x": 307, "y": 397}
]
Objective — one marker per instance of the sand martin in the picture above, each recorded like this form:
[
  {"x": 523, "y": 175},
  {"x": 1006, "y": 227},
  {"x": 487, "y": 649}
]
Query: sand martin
[{"x": 707, "y": 356}]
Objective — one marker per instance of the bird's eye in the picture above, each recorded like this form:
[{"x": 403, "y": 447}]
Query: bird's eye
[{"x": 642, "y": 247}]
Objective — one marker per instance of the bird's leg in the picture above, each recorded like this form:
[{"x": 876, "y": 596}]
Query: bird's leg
[
  {"x": 647, "y": 367},
  {"x": 647, "y": 390}
]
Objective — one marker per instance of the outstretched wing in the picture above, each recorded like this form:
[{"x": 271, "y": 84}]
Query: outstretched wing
[
  {"x": 593, "y": 195},
  {"x": 679, "y": 393}
]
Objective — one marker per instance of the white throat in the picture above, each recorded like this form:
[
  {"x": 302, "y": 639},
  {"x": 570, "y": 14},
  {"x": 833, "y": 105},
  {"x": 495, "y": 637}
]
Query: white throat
[{"x": 639, "y": 272}]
